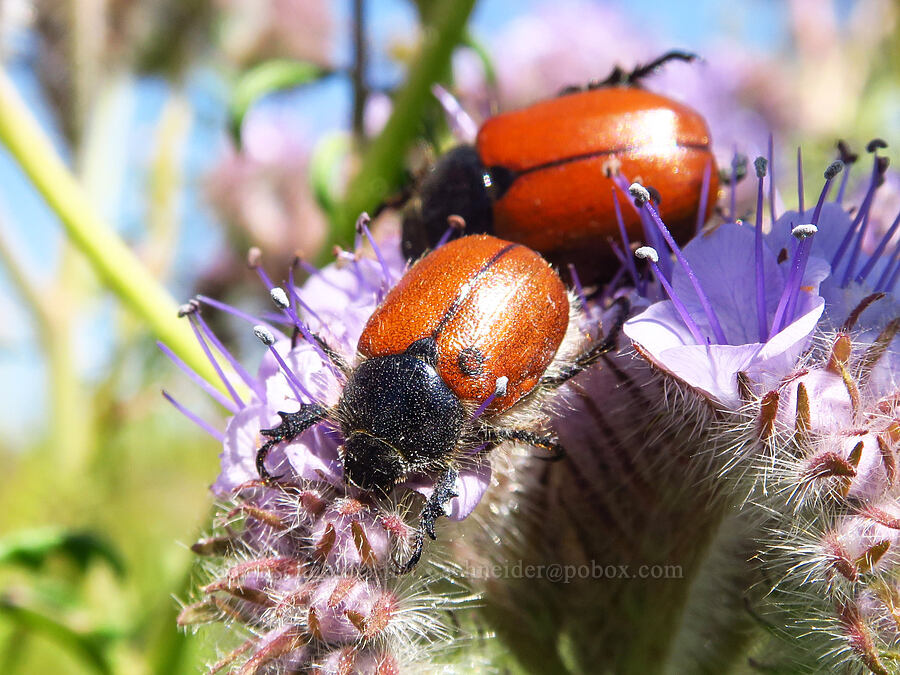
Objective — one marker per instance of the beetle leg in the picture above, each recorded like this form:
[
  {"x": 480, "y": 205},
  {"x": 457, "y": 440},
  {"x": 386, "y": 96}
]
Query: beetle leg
[
  {"x": 594, "y": 352},
  {"x": 292, "y": 425},
  {"x": 435, "y": 507},
  {"x": 547, "y": 442}
]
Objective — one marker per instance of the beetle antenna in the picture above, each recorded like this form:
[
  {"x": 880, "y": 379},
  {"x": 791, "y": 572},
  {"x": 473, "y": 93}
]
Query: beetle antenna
[{"x": 640, "y": 72}]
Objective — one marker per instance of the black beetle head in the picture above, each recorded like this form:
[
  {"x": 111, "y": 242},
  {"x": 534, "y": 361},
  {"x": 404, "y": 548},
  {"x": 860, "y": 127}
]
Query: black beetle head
[
  {"x": 372, "y": 464},
  {"x": 397, "y": 416},
  {"x": 458, "y": 185}
]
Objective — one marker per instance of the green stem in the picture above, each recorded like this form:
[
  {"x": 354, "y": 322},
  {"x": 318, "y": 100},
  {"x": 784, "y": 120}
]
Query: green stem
[
  {"x": 381, "y": 169},
  {"x": 116, "y": 264}
]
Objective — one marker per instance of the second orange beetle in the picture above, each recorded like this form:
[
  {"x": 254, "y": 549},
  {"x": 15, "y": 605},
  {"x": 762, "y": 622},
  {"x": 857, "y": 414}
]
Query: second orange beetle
[{"x": 540, "y": 176}]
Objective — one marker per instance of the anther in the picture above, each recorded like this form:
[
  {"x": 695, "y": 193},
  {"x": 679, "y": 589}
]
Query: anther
[
  {"x": 647, "y": 253},
  {"x": 280, "y": 298},
  {"x": 362, "y": 222},
  {"x": 500, "y": 388},
  {"x": 801, "y": 232},
  {"x": 188, "y": 308},
  {"x": 455, "y": 224},
  {"x": 499, "y": 391},
  {"x": 834, "y": 169},
  {"x": 254, "y": 257},
  {"x": 640, "y": 193},
  {"x": 264, "y": 335},
  {"x": 761, "y": 165},
  {"x": 650, "y": 254},
  {"x": 846, "y": 154}
]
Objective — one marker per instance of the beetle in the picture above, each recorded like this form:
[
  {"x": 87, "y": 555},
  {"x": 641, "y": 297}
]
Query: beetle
[
  {"x": 458, "y": 358},
  {"x": 541, "y": 176}
]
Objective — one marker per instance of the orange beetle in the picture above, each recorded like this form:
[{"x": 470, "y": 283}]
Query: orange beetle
[
  {"x": 493, "y": 309},
  {"x": 541, "y": 176},
  {"x": 478, "y": 328}
]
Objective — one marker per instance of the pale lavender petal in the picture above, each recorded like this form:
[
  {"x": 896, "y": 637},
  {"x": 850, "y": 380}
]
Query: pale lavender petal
[
  {"x": 471, "y": 485},
  {"x": 832, "y": 410},
  {"x": 238, "y": 458}
]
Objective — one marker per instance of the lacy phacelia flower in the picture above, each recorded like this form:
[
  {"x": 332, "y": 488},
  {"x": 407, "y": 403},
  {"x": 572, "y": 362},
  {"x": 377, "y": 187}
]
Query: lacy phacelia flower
[
  {"x": 308, "y": 567},
  {"x": 789, "y": 334}
]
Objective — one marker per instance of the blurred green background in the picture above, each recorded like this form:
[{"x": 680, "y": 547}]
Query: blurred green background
[{"x": 201, "y": 127}]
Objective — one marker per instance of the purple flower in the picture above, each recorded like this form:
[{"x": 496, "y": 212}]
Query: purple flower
[
  {"x": 739, "y": 302},
  {"x": 723, "y": 262},
  {"x": 336, "y": 303},
  {"x": 308, "y": 564}
]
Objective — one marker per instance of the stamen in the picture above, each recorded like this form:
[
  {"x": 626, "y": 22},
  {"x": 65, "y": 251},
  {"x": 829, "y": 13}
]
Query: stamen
[
  {"x": 254, "y": 260},
  {"x": 881, "y": 164},
  {"x": 785, "y": 310},
  {"x": 833, "y": 170},
  {"x": 499, "y": 390},
  {"x": 455, "y": 224},
  {"x": 735, "y": 163},
  {"x": 771, "y": 179},
  {"x": 629, "y": 261},
  {"x": 295, "y": 295},
  {"x": 873, "y": 259},
  {"x": 649, "y": 254},
  {"x": 203, "y": 424},
  {"x": 242, "y": 373},
  {"x": 893, "y": 263},
  {"x": 704, "y": 198},
  {"x": 641, "y": 195},
  {"x": 461, "y": 123},
  {"x": 651, "y": 233},
  {"x": 617, "y": 251},
  {"x": 614, "y": 283},
  {"x": 193, "y": 318},
  {"x": 800, "y": 181},
  {"x": 234, "y": 311},
  {"x": 279, "y": 297},
  {"x": 291, "y": 279},
  {"x": 579, "y": 290},
  {"x": 849, "y": 159},
  {"x": 892, "y": 282},
  {"x": 265, "y": 336},
  {"x": 362, "y": 225},
  {"x": 191, "y": 373},
  {"x": 343, "y": 257},
  {"x": 760, "y": 164},
  {"x": 665, "y": 261},
  {"x": 874, "y": 183}
]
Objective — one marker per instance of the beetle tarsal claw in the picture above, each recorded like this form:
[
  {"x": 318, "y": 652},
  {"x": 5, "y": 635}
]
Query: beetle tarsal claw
[{"x": 292, "y": 425}]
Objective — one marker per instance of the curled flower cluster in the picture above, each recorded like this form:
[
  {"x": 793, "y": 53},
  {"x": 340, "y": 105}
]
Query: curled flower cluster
[{"x": 788, "y": 335}]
